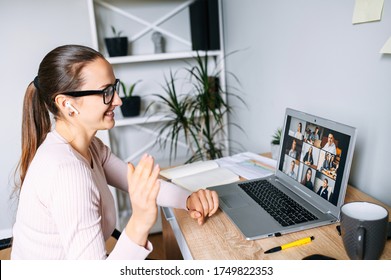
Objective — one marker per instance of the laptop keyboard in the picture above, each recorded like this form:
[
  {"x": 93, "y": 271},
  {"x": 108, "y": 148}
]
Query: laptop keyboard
[{"x": 281, "y": 207}]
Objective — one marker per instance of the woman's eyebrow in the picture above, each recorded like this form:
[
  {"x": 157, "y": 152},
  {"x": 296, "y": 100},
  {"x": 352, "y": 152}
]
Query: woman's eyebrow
[{"x": 106, "y": 85}]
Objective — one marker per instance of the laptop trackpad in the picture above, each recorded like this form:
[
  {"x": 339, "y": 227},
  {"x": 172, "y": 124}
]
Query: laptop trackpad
[{"x": 234, "y": 200}]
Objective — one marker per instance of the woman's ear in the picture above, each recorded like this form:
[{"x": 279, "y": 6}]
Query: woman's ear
[
  {"x": 64, "y": 105},
  {"x": 60, "y": 101}
]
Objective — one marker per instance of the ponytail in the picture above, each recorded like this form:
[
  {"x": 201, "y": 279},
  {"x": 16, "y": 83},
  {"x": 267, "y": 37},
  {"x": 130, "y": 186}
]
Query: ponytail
[{"x": 36, "y": 125}]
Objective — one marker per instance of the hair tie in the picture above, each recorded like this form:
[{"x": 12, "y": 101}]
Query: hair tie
[{"x": 36, "y": 82}]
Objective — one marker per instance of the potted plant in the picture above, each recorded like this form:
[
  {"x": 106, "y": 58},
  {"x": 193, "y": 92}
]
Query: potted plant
[
  {"x": 275, "y": 143},
  {"x": 117, "y": 45},
  {"x": 198, "y": 117},
  {"x": 130, "y": 103}
]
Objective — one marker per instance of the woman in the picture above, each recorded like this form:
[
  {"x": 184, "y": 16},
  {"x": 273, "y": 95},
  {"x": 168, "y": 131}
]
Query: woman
[
  {"x": 307, "y": 180},
  {"x": 292, "y": 152},
  {"x": 326, "y": 163},
  {"x": 308, "y": 157},
  {"x": 66, "y": 210},
  {"x": 298, "y": 134}
]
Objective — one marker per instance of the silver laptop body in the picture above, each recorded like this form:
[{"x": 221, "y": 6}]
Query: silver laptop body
[{"x": 305, "y": 187}]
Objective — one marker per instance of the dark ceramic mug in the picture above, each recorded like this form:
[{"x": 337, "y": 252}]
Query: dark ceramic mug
[{"x": 364, "y": 230}]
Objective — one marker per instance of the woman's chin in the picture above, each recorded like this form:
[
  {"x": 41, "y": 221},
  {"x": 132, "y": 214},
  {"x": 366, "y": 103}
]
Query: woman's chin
[{"x": 108, "y": 123}]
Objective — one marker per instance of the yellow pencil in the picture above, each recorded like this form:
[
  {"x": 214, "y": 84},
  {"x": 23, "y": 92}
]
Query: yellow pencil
[{"x": 291, "y": 244}]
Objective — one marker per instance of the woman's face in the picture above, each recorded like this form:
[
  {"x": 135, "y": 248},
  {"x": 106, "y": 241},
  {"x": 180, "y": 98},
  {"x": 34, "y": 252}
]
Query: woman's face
[
  {"x": 309, "y": 173},
  {"x": 94, "y": 114}
]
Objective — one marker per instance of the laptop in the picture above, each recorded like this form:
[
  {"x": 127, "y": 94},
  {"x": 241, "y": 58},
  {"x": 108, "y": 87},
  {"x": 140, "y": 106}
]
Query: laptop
[{"x": 310, "y": 180}]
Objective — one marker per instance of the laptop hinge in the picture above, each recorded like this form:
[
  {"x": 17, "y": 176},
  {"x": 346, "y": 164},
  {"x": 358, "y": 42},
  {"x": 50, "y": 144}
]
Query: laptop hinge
[{"x": 332, "y": 215}]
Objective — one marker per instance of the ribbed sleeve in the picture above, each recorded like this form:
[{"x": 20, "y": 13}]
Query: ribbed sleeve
[{"x": 171, "y": 195}]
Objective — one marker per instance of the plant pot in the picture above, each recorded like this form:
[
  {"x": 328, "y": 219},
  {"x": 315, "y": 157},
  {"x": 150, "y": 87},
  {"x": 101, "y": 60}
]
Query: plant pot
[
  {"x": 131, "y": 106},
  {"x": 117, "y": 46}
]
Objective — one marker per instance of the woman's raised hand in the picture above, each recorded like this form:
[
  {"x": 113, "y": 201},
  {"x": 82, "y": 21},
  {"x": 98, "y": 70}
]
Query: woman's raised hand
[{"x": 143, "y": 188}]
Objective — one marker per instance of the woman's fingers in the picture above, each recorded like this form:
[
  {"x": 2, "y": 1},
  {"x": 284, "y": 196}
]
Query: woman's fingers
[
  {"x": 155, "y": 191},
  {"x": 202, "y": 204},
  {"x": 144, "y": 168},
  {"x": 215, "y": 199},
  {"x": 195, "y": 214},
  {"x": 143, "y": 174},
  {"x": 142, "y": 181},
  {"x": 153, "y": 185}
]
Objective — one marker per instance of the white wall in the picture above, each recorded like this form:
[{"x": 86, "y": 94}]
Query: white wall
[
  {"x": 306, "y": 54},
  {"x": 29, "y": 30}
]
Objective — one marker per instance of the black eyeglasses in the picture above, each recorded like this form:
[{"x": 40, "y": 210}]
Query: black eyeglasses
[{"x": 108, "y": 92}]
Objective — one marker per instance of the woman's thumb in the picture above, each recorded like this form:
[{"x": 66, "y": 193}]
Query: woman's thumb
[
  {"x": 195, "y": 214},
  {"x": 130, "y": 171}
]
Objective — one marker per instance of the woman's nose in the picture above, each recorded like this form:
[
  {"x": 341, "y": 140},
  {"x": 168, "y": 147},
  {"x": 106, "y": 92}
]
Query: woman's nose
[{"x": 117, "y": 100}]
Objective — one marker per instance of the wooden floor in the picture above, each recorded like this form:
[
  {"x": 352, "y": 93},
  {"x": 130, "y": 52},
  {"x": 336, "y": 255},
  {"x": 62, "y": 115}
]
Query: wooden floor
[
  {"x": 5, "y": 254},
  {"x": 158, "y": 252},
  {"x": 156, "y": 240}
]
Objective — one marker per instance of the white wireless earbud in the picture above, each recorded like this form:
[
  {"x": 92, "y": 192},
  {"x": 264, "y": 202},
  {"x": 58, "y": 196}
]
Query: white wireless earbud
[{"x": 69, "y": 105}]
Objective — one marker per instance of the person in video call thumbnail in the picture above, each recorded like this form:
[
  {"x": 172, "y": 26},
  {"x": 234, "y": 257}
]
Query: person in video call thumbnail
[
  {"x": 323, "y": 191},
  {"x": 307, "y": 179},
  {"x": 293, "y": 152},
  {"x": 314, "y": 136},
  {"x": 326, "y": 163},
  {"x": 298, "y": 133},
  {"x": 308, "y": 157},
  {"x": 291, "y": 172},
  {"x": 330, "y": 145}
]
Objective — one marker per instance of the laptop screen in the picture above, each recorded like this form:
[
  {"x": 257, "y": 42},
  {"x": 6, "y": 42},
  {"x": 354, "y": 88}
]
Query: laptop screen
[{"x": 314, "y": 153}]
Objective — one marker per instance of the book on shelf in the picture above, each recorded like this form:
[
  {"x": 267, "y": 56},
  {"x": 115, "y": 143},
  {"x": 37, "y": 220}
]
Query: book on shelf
[{"x": 199, "y": 175}]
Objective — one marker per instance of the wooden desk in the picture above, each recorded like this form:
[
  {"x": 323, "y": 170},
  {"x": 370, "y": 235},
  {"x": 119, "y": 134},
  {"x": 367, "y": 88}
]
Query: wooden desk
[{"x": 219, "y": 239}]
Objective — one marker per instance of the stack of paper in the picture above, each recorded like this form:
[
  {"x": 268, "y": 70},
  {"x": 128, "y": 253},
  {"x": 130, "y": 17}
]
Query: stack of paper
[{"x": 249, "y": 165}]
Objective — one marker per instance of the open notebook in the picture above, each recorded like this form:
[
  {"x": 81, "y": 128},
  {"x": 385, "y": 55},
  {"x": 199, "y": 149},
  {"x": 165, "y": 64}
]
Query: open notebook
[{"x": 201, "y": 174}]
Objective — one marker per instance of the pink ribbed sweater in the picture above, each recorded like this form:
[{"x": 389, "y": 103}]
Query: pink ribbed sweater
[{"x": 66, "y": 210}]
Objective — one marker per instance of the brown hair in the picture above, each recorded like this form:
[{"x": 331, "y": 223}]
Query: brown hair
[{"x": 59, "y": 71}]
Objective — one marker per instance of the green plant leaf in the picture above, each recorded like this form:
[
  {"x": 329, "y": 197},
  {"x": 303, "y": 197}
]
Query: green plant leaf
[
  {"x": 276, "y": 137},
  {"x": 199, "y": 116},
  {"x": 115, "y": 33},
  {"x": 128, "y": 93}
]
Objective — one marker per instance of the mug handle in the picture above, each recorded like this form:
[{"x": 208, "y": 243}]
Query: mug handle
[{"x": 360, "y": 243}]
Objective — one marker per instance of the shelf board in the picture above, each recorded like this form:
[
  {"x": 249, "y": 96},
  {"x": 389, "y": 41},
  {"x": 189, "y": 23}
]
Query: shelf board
[
  {"x": 140, "y": 120},
  {"x": 159, "y": 57}
]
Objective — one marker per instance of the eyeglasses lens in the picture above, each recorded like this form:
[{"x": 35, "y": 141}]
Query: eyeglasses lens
[{"x": 109, "y": 92}]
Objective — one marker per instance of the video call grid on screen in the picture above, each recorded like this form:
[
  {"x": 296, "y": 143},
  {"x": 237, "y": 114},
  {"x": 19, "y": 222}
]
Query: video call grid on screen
[{"x": 314, "y": 156}]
